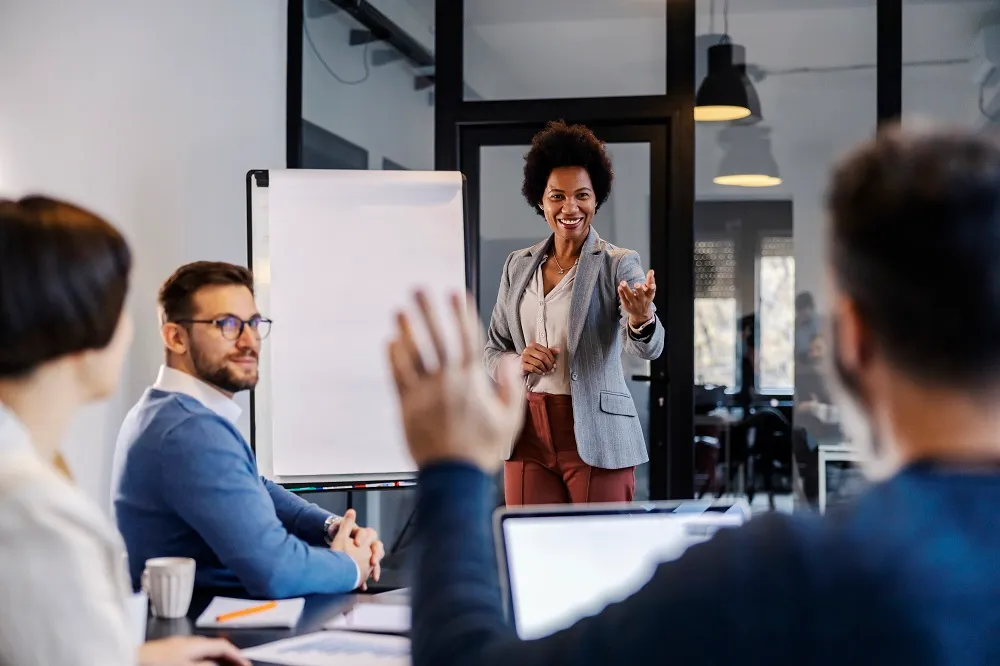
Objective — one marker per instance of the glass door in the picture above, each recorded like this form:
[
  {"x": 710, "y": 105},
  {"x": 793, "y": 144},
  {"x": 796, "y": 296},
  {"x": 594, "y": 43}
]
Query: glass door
[{"x": 633, "y": 217}]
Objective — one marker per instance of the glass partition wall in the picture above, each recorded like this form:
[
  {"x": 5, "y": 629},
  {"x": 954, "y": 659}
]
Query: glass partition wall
[{"x": 728, "y": 208}]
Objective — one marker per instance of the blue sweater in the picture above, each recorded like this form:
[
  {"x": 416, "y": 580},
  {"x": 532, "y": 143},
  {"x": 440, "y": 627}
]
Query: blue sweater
[
  {"x": 910, "y": 574},
  {"x": 188, "y": 486}
]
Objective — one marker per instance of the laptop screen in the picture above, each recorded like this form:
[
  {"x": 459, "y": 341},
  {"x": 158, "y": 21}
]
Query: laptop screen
[{"x": 562, "y": 566}]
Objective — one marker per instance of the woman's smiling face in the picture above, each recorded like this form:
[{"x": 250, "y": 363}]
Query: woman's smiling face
[{"x": 569, "y": 203}]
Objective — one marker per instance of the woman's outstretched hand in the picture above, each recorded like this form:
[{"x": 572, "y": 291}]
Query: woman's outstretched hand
[{"x": 637, "y": 301}]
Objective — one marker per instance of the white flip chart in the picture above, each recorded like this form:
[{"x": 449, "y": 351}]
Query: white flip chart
[{"x": 335, "y": 254}]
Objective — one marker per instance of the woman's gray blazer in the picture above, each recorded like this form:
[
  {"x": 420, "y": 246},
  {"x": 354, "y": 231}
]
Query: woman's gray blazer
[{"x": 608, "y": 433}]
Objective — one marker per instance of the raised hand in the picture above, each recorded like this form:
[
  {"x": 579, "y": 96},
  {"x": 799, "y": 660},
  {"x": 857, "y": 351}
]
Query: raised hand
[
  {"x": 538, "y": 360},
  {"x": 450, "y": 409},
  {"x": 637, "y": 301}
]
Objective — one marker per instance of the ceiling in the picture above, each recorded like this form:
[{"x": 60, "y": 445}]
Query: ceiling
[
  {"x": 522, "y": 44},
  {"x": 481, "y": 12},
  {"x": 484, "y": 12}
]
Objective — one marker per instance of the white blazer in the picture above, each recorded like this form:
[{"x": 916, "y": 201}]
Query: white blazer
[{"x": 64, "y": 588}]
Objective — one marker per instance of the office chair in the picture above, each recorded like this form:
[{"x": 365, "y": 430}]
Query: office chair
[{"x": 763, "y": 443}]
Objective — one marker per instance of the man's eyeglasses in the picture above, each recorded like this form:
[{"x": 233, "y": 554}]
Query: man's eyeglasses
[{"x": 232, "y": 326}]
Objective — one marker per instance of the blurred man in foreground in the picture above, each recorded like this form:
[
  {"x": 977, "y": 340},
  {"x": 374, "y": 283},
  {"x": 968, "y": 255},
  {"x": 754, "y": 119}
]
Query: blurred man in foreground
[{"x": 907, "y": 575}]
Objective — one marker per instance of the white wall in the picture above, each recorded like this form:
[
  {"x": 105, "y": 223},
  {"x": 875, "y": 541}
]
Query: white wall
[
  {"x": 382, "y": 114},
  {"x": 150, "y": 113}
]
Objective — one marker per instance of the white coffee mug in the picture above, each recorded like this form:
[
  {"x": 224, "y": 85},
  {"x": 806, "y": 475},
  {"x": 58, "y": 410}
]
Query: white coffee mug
[{"x": 169, "y": 582}]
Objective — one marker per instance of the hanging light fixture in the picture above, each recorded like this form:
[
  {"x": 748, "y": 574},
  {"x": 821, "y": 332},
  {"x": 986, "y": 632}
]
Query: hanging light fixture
[
  {"x": 726, "y": 92},
  {"x": 748, "y": 161}
]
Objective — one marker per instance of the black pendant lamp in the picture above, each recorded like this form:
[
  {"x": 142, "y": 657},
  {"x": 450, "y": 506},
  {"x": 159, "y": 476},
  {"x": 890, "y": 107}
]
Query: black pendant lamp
[
  {"x": 748, "y": 161},
  {"x": 727, "y": 92}
]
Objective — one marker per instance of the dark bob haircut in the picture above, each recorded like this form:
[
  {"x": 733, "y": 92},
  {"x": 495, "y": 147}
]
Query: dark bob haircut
[
  {"x": 562, "y": 145},
  {"x": 177, "y": 293},
  {"x": 64, "y": 276},
  {"x": 915, "y": 243}
]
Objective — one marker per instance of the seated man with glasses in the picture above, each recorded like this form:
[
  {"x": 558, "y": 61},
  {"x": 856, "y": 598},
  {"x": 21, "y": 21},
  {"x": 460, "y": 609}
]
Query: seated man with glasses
[{"x": 185, "y": 482}]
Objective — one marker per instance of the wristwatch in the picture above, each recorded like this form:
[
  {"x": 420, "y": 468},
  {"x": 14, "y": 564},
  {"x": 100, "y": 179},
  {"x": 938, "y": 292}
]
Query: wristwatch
[{"x": 328, "y": 525}]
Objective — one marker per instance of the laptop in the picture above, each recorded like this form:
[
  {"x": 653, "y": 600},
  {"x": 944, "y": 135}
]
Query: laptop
[{"x": 559, "y": 564}]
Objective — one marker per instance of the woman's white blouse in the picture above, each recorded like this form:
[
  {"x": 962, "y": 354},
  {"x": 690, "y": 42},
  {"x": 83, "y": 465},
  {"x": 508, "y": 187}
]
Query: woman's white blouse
[{"x": 545, "y": 320}]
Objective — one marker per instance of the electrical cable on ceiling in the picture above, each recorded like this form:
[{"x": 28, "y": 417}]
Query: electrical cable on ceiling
[
  {"x": 760, "y": 73},
  {"x": 725, "y": 39},
  {"x": 326, "y": 66},
  {"x": 725, "y": 17}
]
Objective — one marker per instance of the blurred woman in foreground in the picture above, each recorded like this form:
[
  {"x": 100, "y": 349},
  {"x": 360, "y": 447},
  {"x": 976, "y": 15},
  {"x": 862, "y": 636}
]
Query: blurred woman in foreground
[{"x": 63, "y": 336}]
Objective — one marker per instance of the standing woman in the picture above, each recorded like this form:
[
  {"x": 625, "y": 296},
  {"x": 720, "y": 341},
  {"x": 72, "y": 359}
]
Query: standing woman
[
  {"x": 567, "y": 307},
  {"x": 64, "y": 274}
]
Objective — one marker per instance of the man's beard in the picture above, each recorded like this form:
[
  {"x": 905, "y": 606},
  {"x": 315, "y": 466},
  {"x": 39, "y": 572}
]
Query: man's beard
[
  {"x": 220, "y": 375},
  {"x": 878, "y": 458}
]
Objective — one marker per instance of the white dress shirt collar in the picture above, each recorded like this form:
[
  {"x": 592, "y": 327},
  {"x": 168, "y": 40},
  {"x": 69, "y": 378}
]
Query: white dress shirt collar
[
  {"x": 175, "y": 381},
  {"x": 14, "y": 436}
]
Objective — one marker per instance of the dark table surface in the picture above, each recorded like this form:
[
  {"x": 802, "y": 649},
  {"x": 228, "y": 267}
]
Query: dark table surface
[{"x": 318, "y": 610}]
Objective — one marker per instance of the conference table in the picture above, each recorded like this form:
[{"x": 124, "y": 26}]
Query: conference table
[{"x": 319, "y": 609}]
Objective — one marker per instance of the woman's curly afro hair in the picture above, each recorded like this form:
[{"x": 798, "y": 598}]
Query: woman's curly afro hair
[{"x": 562, "y": 145}]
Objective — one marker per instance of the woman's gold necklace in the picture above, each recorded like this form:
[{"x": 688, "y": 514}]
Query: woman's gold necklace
[{"x": 561, "y": 269}]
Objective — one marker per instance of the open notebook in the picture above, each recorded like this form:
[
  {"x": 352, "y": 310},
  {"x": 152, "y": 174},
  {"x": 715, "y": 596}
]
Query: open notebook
[{"x": 285, "y": 614}]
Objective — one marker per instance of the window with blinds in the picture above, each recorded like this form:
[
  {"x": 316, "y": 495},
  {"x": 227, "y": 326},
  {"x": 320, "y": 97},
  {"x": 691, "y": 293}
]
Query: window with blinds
[
  {"x": 715, "y": 268},
  {"x": 777, "y": 246},
  {"x": 715, "y": 312},
  {"x": 776, "y": 307}
]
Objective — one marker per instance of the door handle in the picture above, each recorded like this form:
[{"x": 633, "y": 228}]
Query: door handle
[{"x": 660, "y": 376}]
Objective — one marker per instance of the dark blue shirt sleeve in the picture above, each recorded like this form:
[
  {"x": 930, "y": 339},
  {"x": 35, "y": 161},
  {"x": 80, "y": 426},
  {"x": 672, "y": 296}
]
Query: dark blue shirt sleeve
[
  {"x": 209, "y": 479},
  {"x": 303, "y": 519},
  {"x": 717, "y": 589}
]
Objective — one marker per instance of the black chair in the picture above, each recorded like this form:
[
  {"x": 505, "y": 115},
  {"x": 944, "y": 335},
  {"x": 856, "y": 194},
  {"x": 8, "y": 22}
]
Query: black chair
[
  {"x": 805, "y": 450},
  {"x": 763, "y": 443},
  {"x": 707, "y": 455}
]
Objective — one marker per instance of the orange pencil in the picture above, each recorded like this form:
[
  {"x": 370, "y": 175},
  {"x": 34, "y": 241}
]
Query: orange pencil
[{"x": 247, "y": 611}]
